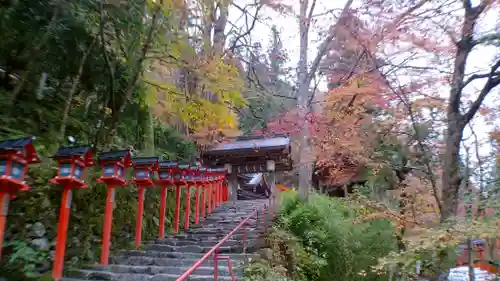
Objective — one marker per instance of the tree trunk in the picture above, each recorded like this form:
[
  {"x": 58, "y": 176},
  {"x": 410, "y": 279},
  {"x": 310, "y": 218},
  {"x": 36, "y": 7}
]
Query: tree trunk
[
  {"x": 347, "y": 201},
  {"x": 451, "y": 169},
  {"x": 304, "y": 166},
  {"x": 34, "y": 53},
  {"x": 304, "y": 78},
  {"x": 74, "y": 86},
  {"x": 471, "y": 260},
  {"x": 149, "y": 134},
  {"x": 136, "y": 73},
  {"x": 456, "y": 121},
  {"x": 219, "y": 28}
]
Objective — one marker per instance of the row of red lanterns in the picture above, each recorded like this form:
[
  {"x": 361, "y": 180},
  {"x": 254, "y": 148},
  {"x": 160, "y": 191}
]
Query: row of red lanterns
[{"x": 16, "y": 155}]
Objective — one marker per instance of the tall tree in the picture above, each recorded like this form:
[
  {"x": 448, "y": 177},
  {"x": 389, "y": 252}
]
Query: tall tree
[
  {"x": 268, "y": 91},
  {"x": 456, "y": 120},
  {"x": 276, "y": 55},
  {"x": 304, "y": 77},
  {"x": 415, "y": 24}
]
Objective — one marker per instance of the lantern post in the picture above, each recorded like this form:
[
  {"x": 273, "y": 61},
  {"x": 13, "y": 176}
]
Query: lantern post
[
  {"x": 15, "y": 156},
  {"x": 209, "y": 191},
  {"x": 216, "y": 189},
  {"x": 204, "y": 185},
  {"x": 72, "y": 162},
  {"x": 214, "y": 178},
  {"x": 165, "y": 179},
  {"x": 216, "y": 192},
  {"x": 189, "y": 176},
  {"x": 179, "y": 181},
  {"x": 222, "y": 190},
  {"x": 144, "y": 168},
  {"x": 220, "y": 177},
  {"x": 199, "y": 179},
  {"x": 226, "y": 189},
  {"x": 113, "y": 165}
]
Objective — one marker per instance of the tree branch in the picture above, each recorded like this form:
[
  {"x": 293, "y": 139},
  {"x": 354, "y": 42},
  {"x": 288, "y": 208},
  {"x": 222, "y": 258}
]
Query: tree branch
[
  {"x": 421, "y": 146},
  {"x": 111, "y": 71},
  {"x": 323, "y": 48},
  {"x": 493, "y": 81},
  {"x": 249, "y": 30},
  {"x": 488, "y": 39},
  {"x": 478, "y": 76},
  {"x": 309, "y": 17},
  {"x": 467, "y": 4}
]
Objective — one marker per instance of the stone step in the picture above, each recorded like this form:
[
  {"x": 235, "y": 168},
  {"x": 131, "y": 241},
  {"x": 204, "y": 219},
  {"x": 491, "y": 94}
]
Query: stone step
[
  {"x": 206, "y": 237},
  {"x": 177, "y": 262},
  {"x": 223, "y": 269},
  {"x": 110, "y": 276},
  {"x": 219, "y": 236},
  {"x": 226, "y": 224},
  {"x": 220, "y": 233},
  {"x": 208, "y": 223},
  {"x": 215, "y": 234},
  {"x": 227, "y": 218},
  {"x": 233, "y": 221},
  {"x": 167, "y": 259},
  {"x": 204, "y": 243},
  {"x": 76, "y": 279},
  {"x": 196, "y": 237},
  {"x": 202, "y": 235},
  {"x": 221, "y": 228},
  {"x": 193, "y": 248},
  {"x": 175, "y": 255}
]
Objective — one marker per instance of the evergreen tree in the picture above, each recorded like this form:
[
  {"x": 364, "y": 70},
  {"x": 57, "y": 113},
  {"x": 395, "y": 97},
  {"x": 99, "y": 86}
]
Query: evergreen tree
[
  {"x": 268, "y": 93},
  {"x": 277, "y": 56}
]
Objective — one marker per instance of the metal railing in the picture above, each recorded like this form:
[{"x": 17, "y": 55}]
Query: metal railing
[{"x": 214, "y": 251}]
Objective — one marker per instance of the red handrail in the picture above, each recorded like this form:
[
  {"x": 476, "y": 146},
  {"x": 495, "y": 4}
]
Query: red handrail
[{"x": 214, "y": 250}]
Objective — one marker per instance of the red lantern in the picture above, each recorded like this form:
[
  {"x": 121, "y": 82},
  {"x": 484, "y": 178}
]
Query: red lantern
[
  {"x": 15, "y": 155},
  {"x": 113, "y": 165},
  {"x": 72, "y": 162},
  {"x": 144, "y": 168}
]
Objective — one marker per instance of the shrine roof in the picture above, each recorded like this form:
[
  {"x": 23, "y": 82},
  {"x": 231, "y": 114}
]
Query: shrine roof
[
  {"x": 144, "y": 160},
  {"x": 67, "y": 151},
  {"x": 168, "y": 164},
  {"x": 192, "y": 168},
  {"x": 113, "y": 155},
  {"x": 16, "y": 144},
  {"x": 216, "y": 170},
  {"x": 252, "y": 142}
]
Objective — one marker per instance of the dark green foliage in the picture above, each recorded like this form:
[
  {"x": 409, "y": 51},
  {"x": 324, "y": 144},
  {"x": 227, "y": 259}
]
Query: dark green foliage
[
  {"x": 317, "y": 240},
  {"x": 44, "y": 42},
  {"x": 268, "y": 93}
]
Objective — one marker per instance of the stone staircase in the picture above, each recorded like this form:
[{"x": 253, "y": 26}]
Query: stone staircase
[{"x": 166, "y": 260}]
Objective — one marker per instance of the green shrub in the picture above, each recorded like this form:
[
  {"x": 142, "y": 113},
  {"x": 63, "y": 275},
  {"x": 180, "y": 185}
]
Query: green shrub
[{"x": 317, "y": 240}]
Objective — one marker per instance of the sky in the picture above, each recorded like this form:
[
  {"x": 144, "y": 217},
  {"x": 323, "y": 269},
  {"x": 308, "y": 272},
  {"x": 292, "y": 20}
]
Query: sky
[{"x": 288, "y": 26}]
